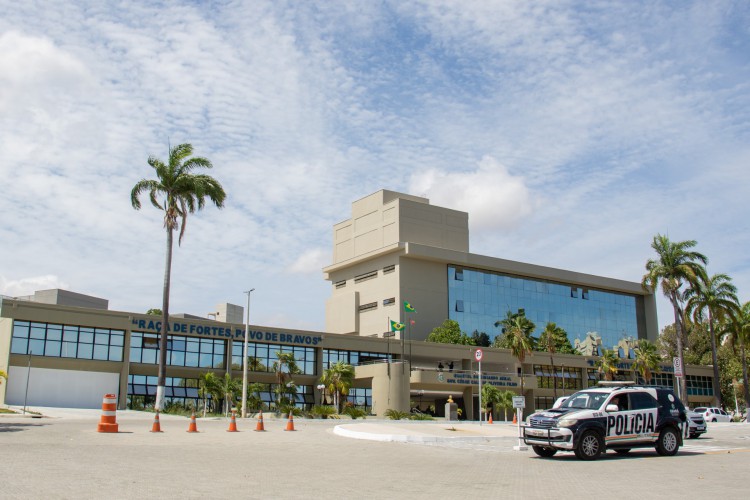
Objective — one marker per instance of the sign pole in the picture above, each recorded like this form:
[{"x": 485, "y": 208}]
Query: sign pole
[
  {"x": 519, "y": 402},
  {"x": 478, "y": 354}
]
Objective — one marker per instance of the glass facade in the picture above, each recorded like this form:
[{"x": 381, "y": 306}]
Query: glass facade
[
  {"x": 304, "y": 398},
  {"x": 66, "y": 341},
  {"x": 698, "y": 385},
  {"x": 360, "y": 397},
  {"x": 477, "y": 299},
  {"x": 261, "y": 357},
  {"x": 659, "y": 380},
  {"x": 142, "y": 391},
  {"x": 565, "y": 377},
  {"x": 193, "y": 352},
  {"x": 354, "y": 358}
]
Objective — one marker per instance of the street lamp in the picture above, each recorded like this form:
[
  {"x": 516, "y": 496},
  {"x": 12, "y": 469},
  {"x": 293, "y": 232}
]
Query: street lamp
[
  {"x": 322, "y": 389},
  {"x": 244, "y": 355},
  {"x": 736, "y": 407}
]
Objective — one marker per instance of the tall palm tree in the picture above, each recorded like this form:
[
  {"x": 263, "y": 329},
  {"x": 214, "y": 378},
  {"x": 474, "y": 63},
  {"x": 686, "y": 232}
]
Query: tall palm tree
[
  {"x": 676, "y": 265},
  {"x": 647, "y": 359},
  {"x": 229, "y": 387},
  {"x": 607, "y": 364},
  {"x": 177, "y": 192},
  {"x": 208, "y": 384},
  {"x": 338, "y": 379},
  {"x": 712, "y": 298},
  {"x": 285, "y": 367},
  {"x": 549, "y": 340},
  {"x": 739, "y": 331},
  {"x": 517, "y": 329}
]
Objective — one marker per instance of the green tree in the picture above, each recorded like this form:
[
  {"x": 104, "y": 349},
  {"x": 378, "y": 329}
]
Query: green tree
[
  {"x": 505, "y": 402},
  {"x": 285, "y": 368},
  {"x": 695, "y": 339},
  {"x": 738, "y": 330},
  {"x": 338, "y": 379},
  {"x": 449, "y": 333},
  {"x": 647, "y": 359},
  {"x": 177, "y": 192},
  {"x": 713, "y": 298},
  {"x": 554, "y": 339},
  {"x": 517, "y": 329},
  {"x": 208, "y": 386},
  {"x": 229, "y": 387},
  {"x": 154, "y": 312},
  {"x": 607, "y": 364},
  {"x": 676, "y": 265},
  {"x": 490, "y": 398},
  {"x": 480, "y": 339},
  {"x": 254, "y": 401}
]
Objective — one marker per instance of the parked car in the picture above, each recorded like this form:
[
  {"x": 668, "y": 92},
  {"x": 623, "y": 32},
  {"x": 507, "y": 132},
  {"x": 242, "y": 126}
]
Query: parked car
[
  {"x": 713, "y": 414},
  {"x": 696, "y": 425}
]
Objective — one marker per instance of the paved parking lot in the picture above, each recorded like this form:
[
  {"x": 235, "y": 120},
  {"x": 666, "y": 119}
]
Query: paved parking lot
[{"x": 64, "y": 457}]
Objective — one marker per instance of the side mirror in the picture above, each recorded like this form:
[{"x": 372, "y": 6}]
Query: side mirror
[{"x": 612, "y": 408}]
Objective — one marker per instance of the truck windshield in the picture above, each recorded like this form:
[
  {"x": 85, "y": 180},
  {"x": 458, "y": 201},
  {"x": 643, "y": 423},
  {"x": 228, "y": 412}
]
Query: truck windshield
[{"x": 586, "y": 400}]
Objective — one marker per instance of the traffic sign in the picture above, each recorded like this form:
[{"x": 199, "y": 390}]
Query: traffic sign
[
  {"x": 519, "y": 402},
  {"x": 478, "y": 354},
  {"x": 677, "y": 366}
]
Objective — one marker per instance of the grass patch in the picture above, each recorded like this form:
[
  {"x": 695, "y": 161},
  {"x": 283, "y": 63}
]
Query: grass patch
[{"x": 5, "y": 410}]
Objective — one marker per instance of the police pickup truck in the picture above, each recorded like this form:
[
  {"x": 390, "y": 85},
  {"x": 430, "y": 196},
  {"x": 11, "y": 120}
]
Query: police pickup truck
[{"x": 616, "y": 416}]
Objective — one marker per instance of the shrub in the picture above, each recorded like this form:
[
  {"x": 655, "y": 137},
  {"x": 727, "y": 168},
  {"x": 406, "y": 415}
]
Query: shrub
[
  {"x": 323, "y": 411},
  {"x": 354, "y": 412},
  {"x": 396, "y": 414},
  {"x": 421, "y": 416}
]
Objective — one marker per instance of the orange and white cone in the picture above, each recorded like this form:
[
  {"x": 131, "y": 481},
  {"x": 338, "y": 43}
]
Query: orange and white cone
[
  {"x": 157, "y": 426},
  {"x": 108, "y": 420},
  {"x": 193, "y": 427},
  {"x": 490, "y": 420},
  {"x": 290, "y": 422},
  {"x": 233, "y": 423},
  {"x": 259, "y": 427},
  {"x": 515, "y": 420}
]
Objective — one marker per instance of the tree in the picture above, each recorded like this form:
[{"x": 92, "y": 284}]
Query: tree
[
  {"x": 505, "y": 402},
  {"x": 229, "y": 387},
  {"x": 676, "y": 264},
  {"x": 490, "y": 398},
  {"x": 647, "y": 359},
  {"x": 254, "y": 401},
  {"x": 713, "y": 298},
  {"x": 739, "y": 333},
  {"x": 177, "y": 192},
  {"x": 607, "y": 364},
  {"x": 480, "y": 339},
  {"x": 208, "y": 385},
  {"x": 449, "y": 333},
  {"x": 285, "y": 368},
  {"x": 154, "y": 312},
  {"x": 695, "y": 341},
  {"x": 517, "y": 337},
  {"x": 338, "y": 378},
  {"x": 554, "y": 339}
]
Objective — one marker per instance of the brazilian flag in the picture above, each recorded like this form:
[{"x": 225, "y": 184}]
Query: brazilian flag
[
  {"x": 396, "y": 326},
  {"x": 408, "y": 308}
]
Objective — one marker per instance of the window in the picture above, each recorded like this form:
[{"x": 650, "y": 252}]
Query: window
[
  {"x": 641, "y": 401},
  {"x": 574, "y": 292},
  {"x": 389, "y": 269},
  {"x": 142, "y": 391},
  {"x": 585, "y": 294},
  {"x": 366, "y": 276},
  {"x": 368, "y": 306},
  {"x": 459, "y": 275},
  {"x": 261, "y": 357},
  {"x": 459, "y": 306},
  {"x": 340, "y": 284},
  {"x": 698, "y": 385},
  {"x": 389, "y": 302},
  {"x": 181, "y": 351},
  {"x": 67, "y": 341},
  {"x": 354, "y": 358}
]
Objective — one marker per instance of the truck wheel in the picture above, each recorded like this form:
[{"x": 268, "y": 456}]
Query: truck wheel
[
  {"x": 590, "y": 446},
  {"x": 668, "y": 442},
  {"x": 543, "y": 451}
]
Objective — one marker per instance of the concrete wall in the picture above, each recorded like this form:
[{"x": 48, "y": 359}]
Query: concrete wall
[{"x": 63, "y": 388}]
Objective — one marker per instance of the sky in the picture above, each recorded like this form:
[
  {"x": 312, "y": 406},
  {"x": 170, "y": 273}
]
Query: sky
[{"x": 571, "y": 132}]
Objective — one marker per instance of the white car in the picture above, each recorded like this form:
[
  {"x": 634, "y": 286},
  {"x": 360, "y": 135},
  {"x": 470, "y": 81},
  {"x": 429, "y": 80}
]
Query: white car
[{"x": 713, "y": 414}]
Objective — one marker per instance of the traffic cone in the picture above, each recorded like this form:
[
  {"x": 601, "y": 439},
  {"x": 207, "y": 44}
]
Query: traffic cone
[
  {"x": 259, "y": 427},
  {"x": 233, "y": 423},
  {"x": 108, "y": 420},
  {"x": 290, "y": 422},
  {"x": 193, "y": 427},
  {"x": 515, "y": 420},
  {"x": 157, "y": 426},
  {"x": 490, "y": 420}
]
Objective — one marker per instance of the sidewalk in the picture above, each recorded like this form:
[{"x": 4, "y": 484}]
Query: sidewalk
[{"x": 426, "y": 431}]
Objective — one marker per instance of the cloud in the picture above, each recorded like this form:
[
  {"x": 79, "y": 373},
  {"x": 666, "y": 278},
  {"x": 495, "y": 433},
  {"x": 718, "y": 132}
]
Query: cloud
[
  {"x": 27, "y": 286},
  {"x": 494, "y": 198},
  {"x": 311, "y": 261}
]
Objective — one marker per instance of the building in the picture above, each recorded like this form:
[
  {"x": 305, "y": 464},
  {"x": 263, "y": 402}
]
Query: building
[
  {"x": 398, "y": 248},
  {"x": 395, "y": 248}
]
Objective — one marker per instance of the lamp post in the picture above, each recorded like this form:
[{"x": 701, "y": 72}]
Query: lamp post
[
  {"x": 244, "y": 355},
  {"x": 736, "y": 406},
  {"x": 322, "y": 389}
]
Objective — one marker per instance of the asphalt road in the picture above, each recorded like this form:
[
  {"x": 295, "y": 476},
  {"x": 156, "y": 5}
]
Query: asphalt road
[{"x": 64, "y": 457}]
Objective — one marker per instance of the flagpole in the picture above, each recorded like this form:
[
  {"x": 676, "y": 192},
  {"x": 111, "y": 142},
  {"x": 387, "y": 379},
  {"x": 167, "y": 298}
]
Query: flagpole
[{"x": 401, "y": 334}]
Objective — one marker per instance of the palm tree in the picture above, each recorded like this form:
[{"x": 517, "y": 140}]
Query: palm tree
[
  {"x": 715, "y": 299},
  {"x": 549, "y": 340},
  {"x": 285, "y": 367},
  {"x": 229, "y": 387},
  {"x": 254, "y": 401},
  {"x": 505, "y": 401},
  {"x": 607, "y": 364},
  {"x": 208, "y": 384},
  {"x": 177, "y": 192},
  {"x": 490, "y": 398},
  {"x": 338, "y": 378},
  {"x": 739, "y": 331},
  {"x": 517, "y": 337},
  {"x": 676, "y": 265},
  {"x": 647, "y": 359}
]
